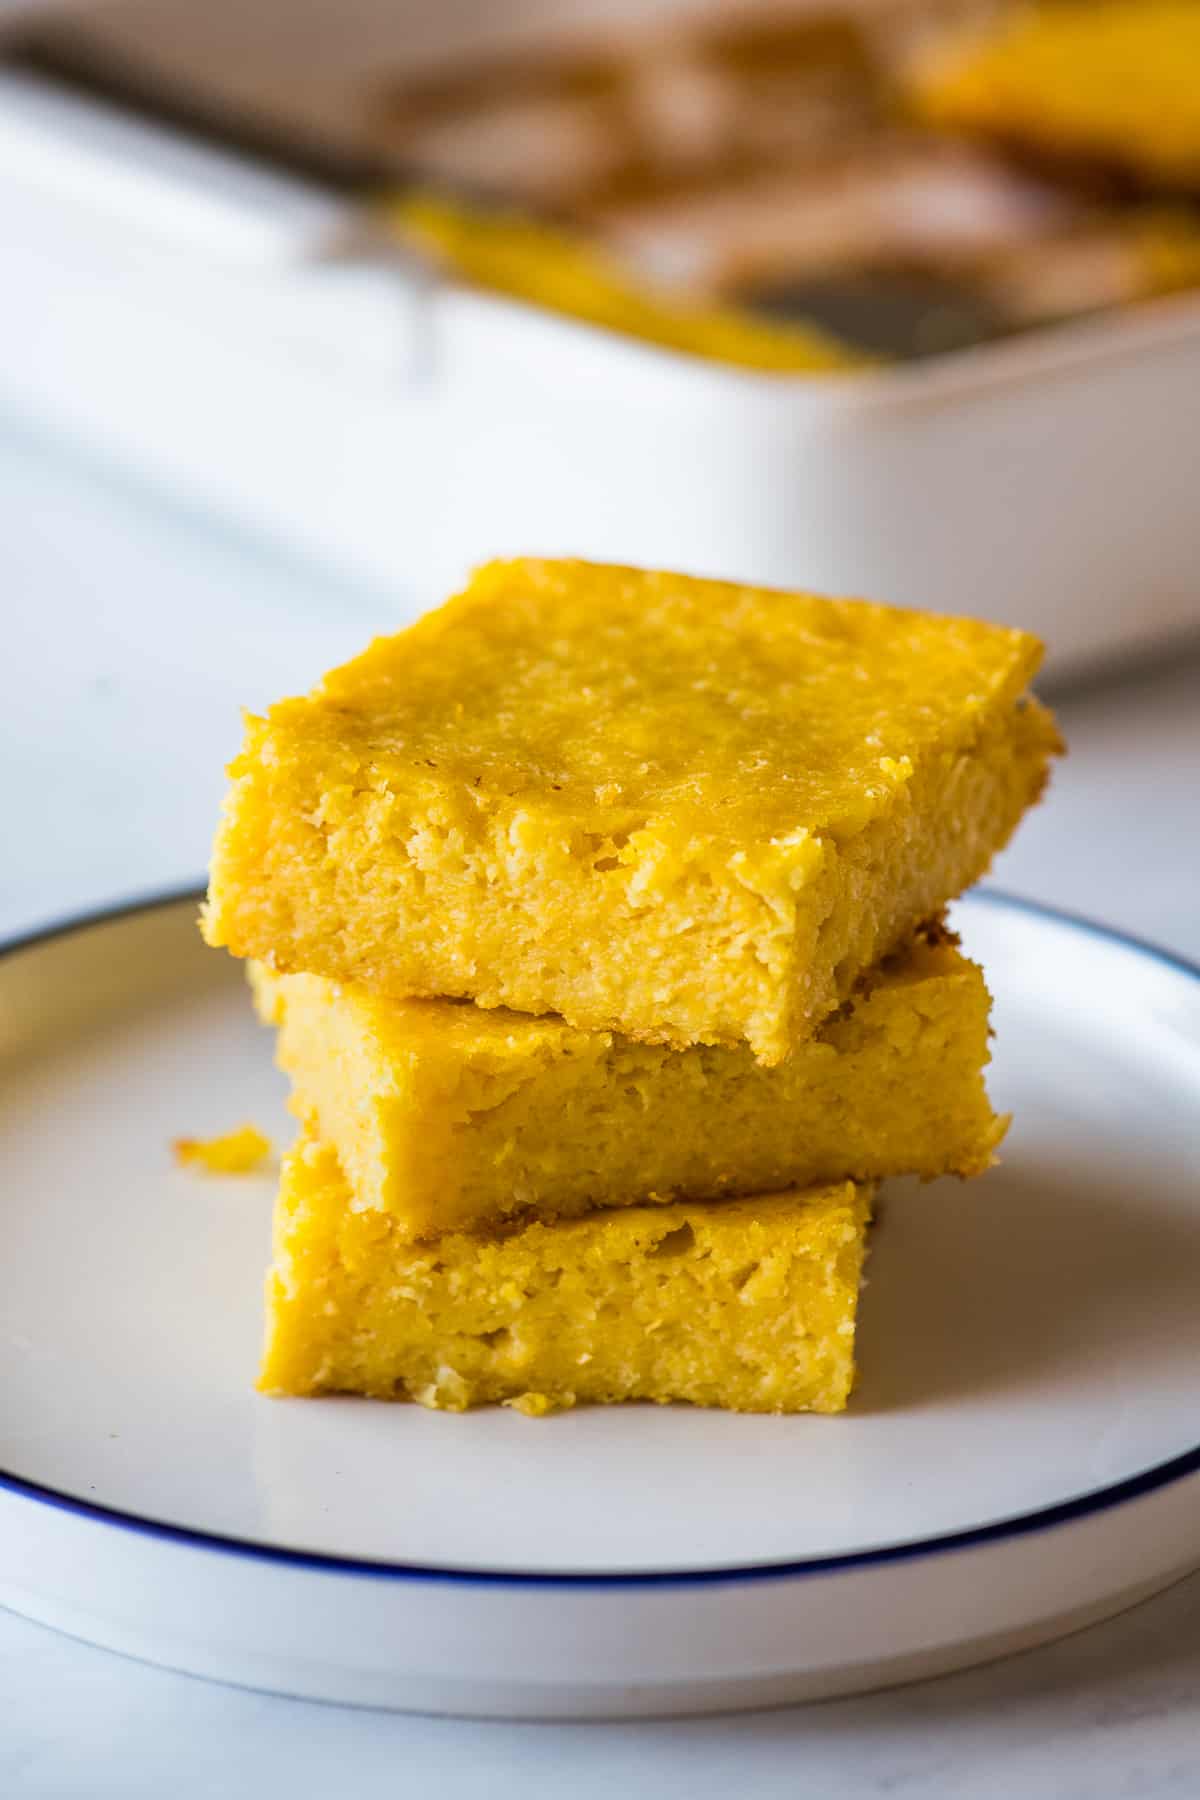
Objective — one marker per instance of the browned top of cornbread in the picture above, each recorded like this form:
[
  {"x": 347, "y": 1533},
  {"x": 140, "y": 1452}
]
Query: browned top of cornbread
[{"x": 611, "y": 695}]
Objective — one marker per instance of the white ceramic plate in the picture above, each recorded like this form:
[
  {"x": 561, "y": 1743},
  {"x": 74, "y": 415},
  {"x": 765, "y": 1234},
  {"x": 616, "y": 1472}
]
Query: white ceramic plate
[{"x": 1020, "y": 1457}]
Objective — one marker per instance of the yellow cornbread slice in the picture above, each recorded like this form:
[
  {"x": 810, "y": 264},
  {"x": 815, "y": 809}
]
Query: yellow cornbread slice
[
  {"x": 1116, "y": 83},
  {"x": 748, "y": 1305},
  {"x": 450, "y": 1118},
  {"x": 526, "y": 259},
  {"x": 684, "y": 810}
]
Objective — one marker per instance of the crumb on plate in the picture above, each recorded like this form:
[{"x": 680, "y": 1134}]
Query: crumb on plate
[
  {"x": 539, "y": 1406},
  {"x": 239, "y": 1152}
]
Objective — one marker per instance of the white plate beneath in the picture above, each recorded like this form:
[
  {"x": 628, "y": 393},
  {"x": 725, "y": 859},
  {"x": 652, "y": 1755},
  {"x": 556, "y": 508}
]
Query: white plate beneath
[{"x": 1021, "y": 1456}]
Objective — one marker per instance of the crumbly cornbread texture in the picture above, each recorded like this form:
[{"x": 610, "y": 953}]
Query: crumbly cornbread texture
[
  {"x": 684, "y": 810},
  {"x": 1115, "y": 83},
  {"x": 748, "y": 1305},
  {"x": 450, "y": 1118}
]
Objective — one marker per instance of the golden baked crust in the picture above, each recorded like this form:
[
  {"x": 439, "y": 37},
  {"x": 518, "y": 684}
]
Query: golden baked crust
[
  {"x": 685, "y": 810},
  {"x": 748, "y": 1305},
  {"x": 450, "y": 1117}
]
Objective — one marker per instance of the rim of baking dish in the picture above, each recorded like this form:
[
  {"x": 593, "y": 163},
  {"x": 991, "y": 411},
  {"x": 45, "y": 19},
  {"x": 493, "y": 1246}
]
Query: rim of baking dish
[{"x": 1046, "y": 1518}]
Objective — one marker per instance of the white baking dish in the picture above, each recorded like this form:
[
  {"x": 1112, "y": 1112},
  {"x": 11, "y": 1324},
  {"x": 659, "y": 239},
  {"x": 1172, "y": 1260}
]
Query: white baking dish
[{"x": 202, "y": 322}]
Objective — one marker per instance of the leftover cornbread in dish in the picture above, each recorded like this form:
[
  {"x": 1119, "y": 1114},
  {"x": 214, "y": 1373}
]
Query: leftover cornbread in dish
[
  {"x": 449, "y": 1117},
  {"x": 747, "y": 1305},
  {"x": 1114, "y": 84},
  {"x": 528, "y": 259},
  {"x": 684, "y": 810}
]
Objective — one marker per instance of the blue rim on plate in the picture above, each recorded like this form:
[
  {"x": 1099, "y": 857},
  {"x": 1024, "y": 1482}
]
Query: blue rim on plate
[{"x": 1099, "y": 1500}]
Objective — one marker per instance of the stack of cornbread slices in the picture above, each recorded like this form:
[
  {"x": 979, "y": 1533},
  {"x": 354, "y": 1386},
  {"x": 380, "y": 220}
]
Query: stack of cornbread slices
[{"x": 599, "y": 917}]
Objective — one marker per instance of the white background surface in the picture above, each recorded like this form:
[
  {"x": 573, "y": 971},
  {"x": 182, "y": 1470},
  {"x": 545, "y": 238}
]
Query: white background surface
[{"x": 132, "y": 633}]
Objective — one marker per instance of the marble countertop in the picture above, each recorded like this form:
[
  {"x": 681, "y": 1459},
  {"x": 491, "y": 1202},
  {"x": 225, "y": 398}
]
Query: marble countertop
[{"x": 133, "y": 634}]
